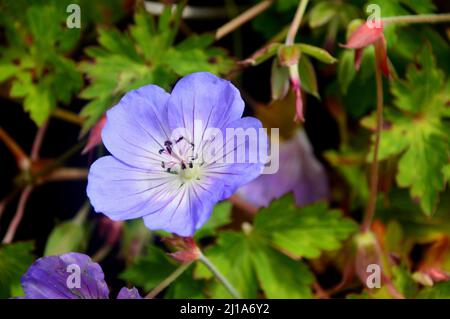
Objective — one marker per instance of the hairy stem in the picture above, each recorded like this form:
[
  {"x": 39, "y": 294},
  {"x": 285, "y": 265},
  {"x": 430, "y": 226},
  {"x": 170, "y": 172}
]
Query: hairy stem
[
  {"x": 18, "y": 153},
  {"x": 420, "y": 18},
  {"x": 290, "y": 38},
  {"x": 219, "y": 276},
  {"x": 242, "y": 18},
  {"x": 370, "y": 210},
  {"x": 66, "y": 174},
  {"x": 36, "y": 148},
  {"x": 12, "y": 228},
  {"x": 166, "y": 282}
]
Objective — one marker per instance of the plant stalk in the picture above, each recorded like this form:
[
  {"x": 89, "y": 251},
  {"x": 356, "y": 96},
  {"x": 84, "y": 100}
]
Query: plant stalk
[
  {"x": 420, "y": 18},
  {"x": 295, "y": 25},
  {"x": 371, "y": 205},
  {"x": 166, "y": 282},
  {"x": 219, "y": 276}
]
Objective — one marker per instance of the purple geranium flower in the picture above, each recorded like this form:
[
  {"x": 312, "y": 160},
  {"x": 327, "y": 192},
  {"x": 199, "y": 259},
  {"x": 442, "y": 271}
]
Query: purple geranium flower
[
  {"x": 158, "y": 143},
  {"x": 300, "y": 172},
  {"x": 69, "y": 276}
]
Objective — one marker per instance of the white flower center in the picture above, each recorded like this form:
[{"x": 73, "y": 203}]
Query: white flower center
[{"x": 181, "y": 159}]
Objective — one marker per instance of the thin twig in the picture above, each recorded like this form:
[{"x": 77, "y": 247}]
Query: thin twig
[
  {"x": 102, "y": 253},
  {"x": 68, "y": 116},
  {"x": 36, "y": 148},
  {"x": 290, "y": 38},
  {"x": 166, "y": 282},
  {"x": 370, "y": 211},
  {"x": 242, "y": 18},
  {"x": 12, "y": 228},
  {"x": 21, "y": 157},
  {"x": 66, "y": 174},
  {"x": 420, "y": 18}
]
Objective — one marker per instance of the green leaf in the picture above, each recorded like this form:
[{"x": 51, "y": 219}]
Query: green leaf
[
  {"x": 308, "y": 76},
  {"x": 7, "y": 71},
  {"x": 220, "y": 216},
  {"x": 232, "y": 252},
  {"x": 35, "y": 58},
  {"x": 265, "y": 254},
  {"x": 446, "y": 172},
  {"x": 149, "y": 270},
  {"x": 404, "y": 282},
  {"x": 321, "y": 14},
  {"x": 317, "y": 53},
  {"x": 438, "y": 291},
  {"x": 296, "y": 278},
  {"x": 14, "y": 262},
  {"x": 346, "y": 70},
  {"x": 70, "y": 236},
  {"x": 303, "y": 232},
  {"x": 144, "y": 54},
  {"x": 279, "y": 80},
  {"x": 186, "y": 287},
  {"x": 421, "y": 100}
]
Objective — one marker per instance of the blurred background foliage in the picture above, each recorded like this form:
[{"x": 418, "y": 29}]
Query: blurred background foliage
[{"x": 66, "y": 79}]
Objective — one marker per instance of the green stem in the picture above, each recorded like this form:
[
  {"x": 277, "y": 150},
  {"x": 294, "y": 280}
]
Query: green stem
[
  {"x": 219, "y": 276},
  {"x": 420, "y": 18},
  {"x": 166, "y": 282},
  {"x": 290, "y": 39}
]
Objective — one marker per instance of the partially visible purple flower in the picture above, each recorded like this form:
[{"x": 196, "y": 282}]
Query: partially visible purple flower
[
  {"x": 126, "y": 293},
  {"x": 164, "y": 178},
  {"x": 54, "y": 277},
  {"x": 299, "y": 172}
]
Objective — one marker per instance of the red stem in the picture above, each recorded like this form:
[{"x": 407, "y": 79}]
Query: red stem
[{"x": 12, "y": 228}]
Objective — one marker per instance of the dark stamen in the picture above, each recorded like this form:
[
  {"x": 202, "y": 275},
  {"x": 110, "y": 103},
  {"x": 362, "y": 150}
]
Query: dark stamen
[
  {"x": 161, "y": 151},
  {"x": 167, "y": 143},
  {"x": 183, "y": 166},
  {"x": 179, "y": 140},
  {"x": 191, "y": 165},
  {"x": 163, "y": 165}
]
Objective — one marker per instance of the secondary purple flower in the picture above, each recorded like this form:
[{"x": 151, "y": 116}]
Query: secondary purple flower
[
  {"x": 158, "y": 169},
  {"x": 68, "y": 276},
  {"x": 300, "y": 172}
]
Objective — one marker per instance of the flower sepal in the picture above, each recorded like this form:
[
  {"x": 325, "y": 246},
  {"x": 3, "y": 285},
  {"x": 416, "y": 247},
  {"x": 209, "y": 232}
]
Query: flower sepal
[{"x": 186, "y": 250}]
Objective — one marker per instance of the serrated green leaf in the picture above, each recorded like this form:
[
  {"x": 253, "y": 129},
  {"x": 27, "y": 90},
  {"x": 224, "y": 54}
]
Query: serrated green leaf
[
  {"x": 220, "y": 216},
  {"x": 150, "y": 269},
  {"x": 144, "y": 54},
  {"x": 280, "y": 276},
  {"x": 232, "y": 252},
  {"x": 438, "y": 291},
  {"x": 14, "y": 261},
  {"x": 424, "y": 151},
  {"x": 303, "y": 232},
  {"x": 186, "y": 287}
]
